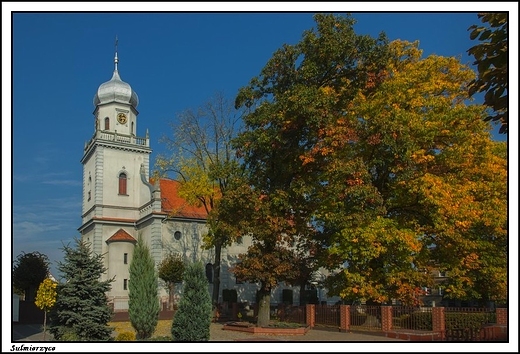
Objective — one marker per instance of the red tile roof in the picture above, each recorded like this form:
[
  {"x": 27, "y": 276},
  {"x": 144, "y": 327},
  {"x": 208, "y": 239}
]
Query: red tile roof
[
  {"x": 121, "y": 236},
  {"x": 174, "y": 205}
]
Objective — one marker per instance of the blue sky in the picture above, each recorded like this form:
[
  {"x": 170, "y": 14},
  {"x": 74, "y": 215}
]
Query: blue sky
[{"x": 174, "y": 61}]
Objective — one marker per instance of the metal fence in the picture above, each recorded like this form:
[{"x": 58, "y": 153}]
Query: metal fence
[
  {"x": 290, "y": 313},
  {"x": 414, "y": 318},
  {"x": 365, "y": 317},
  {"x": 328, "y": 315},
  {"x": 467, "y": 323}
]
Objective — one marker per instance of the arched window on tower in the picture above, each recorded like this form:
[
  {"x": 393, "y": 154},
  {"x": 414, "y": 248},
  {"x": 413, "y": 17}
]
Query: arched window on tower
[
  {"x": 122, "y": 183},
  {"x": 132, "y": 132},
  {"x": 107, "y": 123}
]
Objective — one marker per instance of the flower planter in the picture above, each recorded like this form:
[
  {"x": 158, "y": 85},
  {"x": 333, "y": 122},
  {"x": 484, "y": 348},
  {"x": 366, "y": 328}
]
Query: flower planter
[{"x": 251, "y": 328}]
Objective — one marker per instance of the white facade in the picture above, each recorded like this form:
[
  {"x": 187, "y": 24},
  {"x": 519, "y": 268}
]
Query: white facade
[{"x": 120, "y": 204}]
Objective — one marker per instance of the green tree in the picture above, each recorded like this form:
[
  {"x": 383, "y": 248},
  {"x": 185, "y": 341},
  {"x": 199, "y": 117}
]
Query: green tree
[
  {"x": 351, "y": 135},
  {"x": 203, "y": 160},
  {"x": 491, "y": 58},
  {"x": 45, "y": 299},
  {"x": 170, "y": 270},
  {"x": 407, "y": 191},
  {"x": 192, "y": 320},
  {"x": 29, "y": 270},
  {"x": 143, "y": 301},
  {"x": 81, "y": 311},
  {"x": 291, "y": 105}
]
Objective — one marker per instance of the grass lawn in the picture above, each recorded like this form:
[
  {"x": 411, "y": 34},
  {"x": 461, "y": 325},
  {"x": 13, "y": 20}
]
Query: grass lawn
[{"x": 163, "y": 328}]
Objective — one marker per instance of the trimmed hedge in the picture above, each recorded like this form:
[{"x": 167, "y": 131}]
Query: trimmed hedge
[{"x": 473, "y": 320}]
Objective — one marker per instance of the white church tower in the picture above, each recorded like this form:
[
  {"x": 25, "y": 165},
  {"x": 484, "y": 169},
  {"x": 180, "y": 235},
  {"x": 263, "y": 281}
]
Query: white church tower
[{"x": 118, "y": 199}]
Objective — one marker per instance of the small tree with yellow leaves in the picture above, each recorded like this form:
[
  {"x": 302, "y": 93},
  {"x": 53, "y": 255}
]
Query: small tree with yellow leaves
[{"x": 46, "y": 298}]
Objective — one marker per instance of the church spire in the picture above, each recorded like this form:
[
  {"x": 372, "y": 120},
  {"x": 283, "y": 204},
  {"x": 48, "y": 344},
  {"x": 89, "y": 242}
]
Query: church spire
[{"x": 115, "y": 58}]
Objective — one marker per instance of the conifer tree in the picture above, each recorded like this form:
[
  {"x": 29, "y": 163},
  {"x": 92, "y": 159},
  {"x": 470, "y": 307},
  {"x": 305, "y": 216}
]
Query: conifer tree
[
  {"x": 143, "y": 303},
  {"x": 192, "y": 320},
  {"x": 81, "y": 311}
]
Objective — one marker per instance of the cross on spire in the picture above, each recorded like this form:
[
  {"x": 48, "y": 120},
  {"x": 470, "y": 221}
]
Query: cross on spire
[{"x": 115, "y": 58}]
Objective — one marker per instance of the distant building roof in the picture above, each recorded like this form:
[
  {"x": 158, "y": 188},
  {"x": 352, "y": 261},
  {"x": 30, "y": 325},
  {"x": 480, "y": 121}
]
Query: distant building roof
[
  {"x": 121, "y": 236},
  {"x": 176, "y": 206}
]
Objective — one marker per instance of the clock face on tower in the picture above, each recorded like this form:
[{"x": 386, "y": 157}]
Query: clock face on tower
[{"x": 121, "y": 118}]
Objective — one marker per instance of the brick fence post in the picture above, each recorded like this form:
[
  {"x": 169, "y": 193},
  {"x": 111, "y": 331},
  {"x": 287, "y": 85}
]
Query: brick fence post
[
  {"x": 501, "y": 316},
  {"x": 439, "y": 321},
  {"x": 344, "y": 318},
  {"x": 386, "y": 318},
  {"x": 310, "y": 315}
]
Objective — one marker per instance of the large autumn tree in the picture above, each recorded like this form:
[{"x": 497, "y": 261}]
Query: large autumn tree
[
  {"x": 351, "y": 136},
  {"x": 415, "y": 182},
  {"x": 203, "y": 160},
  {"x": 290, "y": 106}
]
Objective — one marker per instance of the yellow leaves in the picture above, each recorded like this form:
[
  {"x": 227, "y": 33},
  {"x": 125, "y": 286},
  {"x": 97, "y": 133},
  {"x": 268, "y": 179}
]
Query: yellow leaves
[
  {"x": 463, "y": 225},
  {"x": 328, "y": 91},
  {"x": 306, "y": 159},
  {"x": 471, "y": 261},
  {"x": 46, "y": 295},
  {"x": 420, "y": 157}
]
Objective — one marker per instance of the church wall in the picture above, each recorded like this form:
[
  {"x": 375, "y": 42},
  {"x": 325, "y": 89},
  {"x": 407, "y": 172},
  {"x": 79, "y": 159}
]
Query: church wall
[
  {"x": 117, "y": 267},
  {"x": 188, "y": 244}
]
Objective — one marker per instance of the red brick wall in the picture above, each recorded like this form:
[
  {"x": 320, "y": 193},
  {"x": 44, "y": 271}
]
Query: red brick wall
[
  {"x": 386, "y": 318},
  {"x": 310, "y": 313},
  {"x": 438, "y": 319},
  {"x": 501, "y": 316},
  {"x": 344, "y": 318}
]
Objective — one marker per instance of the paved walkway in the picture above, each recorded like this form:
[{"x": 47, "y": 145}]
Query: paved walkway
[
  {"x": 29, "y": 333},
  {"x": 33, "y": 333}
]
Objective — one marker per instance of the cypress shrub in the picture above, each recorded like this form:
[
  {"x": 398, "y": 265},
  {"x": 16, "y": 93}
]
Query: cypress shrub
[
  {"x": 192, "y": 320},
  {"x": 143, "y": 303}
]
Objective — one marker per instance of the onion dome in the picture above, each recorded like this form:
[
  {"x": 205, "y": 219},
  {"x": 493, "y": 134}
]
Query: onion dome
[{"x": 116, "y": 90}]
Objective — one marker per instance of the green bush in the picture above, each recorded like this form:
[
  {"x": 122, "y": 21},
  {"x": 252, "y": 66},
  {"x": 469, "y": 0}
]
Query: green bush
[
  {"x": 143, "y": 303},
  {"x": 192, "y": 320},
  {"x": 125, "y": 337},
  {"x": 69, "y": 336},
  {"x": 473, "y": 320}
]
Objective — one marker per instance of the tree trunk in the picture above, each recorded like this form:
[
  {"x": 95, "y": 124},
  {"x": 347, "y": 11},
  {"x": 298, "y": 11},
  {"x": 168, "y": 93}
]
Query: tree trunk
[
  {"x": 44, "y": 324},
  {"x": 216, "y": 275},
  {"x": 264, "y": 306},
  {"x": 171, "y": 293},
  {"x": 302, "y": 295}
]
